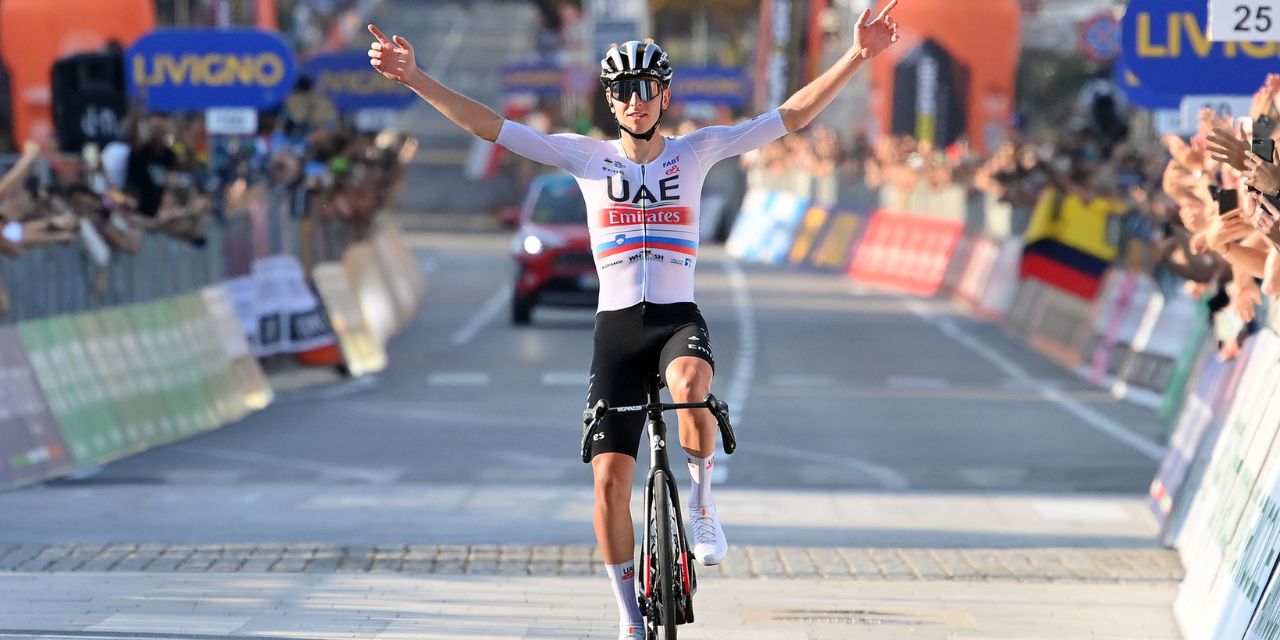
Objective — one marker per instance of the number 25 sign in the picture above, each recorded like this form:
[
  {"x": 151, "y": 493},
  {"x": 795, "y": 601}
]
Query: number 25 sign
[{"x": 1244, "y": 20}]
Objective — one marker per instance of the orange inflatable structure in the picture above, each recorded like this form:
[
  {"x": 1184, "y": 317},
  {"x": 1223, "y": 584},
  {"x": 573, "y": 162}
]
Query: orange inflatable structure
[
  {"x": 35, "y": 33},
  {"x": 952, "y": 74}
]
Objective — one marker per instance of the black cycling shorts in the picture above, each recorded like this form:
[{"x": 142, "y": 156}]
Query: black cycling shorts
[{"x": 631, "y": 345}]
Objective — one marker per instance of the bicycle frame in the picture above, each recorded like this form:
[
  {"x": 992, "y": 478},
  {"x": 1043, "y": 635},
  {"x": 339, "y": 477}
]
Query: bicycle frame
[{"x": 659, "y": 461}]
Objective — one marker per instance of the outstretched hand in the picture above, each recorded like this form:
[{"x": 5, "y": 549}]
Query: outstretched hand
[
  {"x": 872, "y": 37},
  {"x": 393, "y": 57}
]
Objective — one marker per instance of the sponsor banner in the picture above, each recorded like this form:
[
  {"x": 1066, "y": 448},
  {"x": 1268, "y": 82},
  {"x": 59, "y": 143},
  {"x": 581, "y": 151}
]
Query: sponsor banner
[
  {"x": 1001, "y": 283},
  {"x": 719, "y": 85},
  {"x": 1167, "y": 46},
  {"x": 361, "y": 350},
  {"x": 1167, "y": 326},
  {"x": 195, "y": 69},
  {"x": 31, "y": 445},
  {"x": 89, "y": 425},
  {"x": 162, "y": 362},
  {"x": 372, "y": 291},
  {"x": 140, "y": 368},
  {"x": 344, "y": 78},
  {"x": 182, "y": 328},
  {"x": 961, "y": 256},
  {"x": 253, "y": 390},
  {"x": 835, "y": 245},
  {"x": 212, "y": 363},
  {"x": 1194, "y": 433},
  {"x": 905, "y": 252},
  {"x": 538, "y": 78},
  {"x": 973, "y": 281},
  {"x": 122, "y": 391},
  {"x": 1230, "y": 478},
  {"x": 1220, "y": 593},
  {"x": 1118, "y": 290},
  {"x": 765, "y": 230},
  {"x": 277, "y": 309},
  {"x": 815, "y": 219}
]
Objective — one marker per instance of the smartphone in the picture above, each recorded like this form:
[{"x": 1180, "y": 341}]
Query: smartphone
[
  {"x": 1228, "y": 200},
  {"x": 1265, "y": 148}
]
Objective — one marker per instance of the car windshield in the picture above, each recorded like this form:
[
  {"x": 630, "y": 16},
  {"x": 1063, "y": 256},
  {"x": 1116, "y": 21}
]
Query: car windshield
[{"x": 560, "y": 202}]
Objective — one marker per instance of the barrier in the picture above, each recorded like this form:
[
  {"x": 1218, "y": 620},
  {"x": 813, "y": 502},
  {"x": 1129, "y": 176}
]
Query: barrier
[
  {"x": 1218, "y": 543},
  {"x": 905, "y": 252},
  {"x": 766, "y": 226},
  {"x": 31, "y": 448},
  {"x": 836, "y": 243},
  {"x": 361, "y": 351}
]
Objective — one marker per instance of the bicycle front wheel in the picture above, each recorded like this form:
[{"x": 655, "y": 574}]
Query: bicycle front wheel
[{"x": 666, "y": 573}]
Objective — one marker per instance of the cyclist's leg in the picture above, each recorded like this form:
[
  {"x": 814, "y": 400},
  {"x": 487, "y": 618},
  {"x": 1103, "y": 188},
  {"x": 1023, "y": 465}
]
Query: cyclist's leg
[
  {"x": 617, "y": 376},
  {"x": 689, "y": 366}
]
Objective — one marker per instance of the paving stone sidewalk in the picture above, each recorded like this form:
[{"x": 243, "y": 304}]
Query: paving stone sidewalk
[
  {"x": 402, "y": 606},
  {"x": 911, "y": 564}
]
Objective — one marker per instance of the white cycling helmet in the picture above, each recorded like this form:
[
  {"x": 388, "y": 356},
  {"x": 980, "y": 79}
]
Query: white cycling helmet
[{"x": 636, "y": 58}]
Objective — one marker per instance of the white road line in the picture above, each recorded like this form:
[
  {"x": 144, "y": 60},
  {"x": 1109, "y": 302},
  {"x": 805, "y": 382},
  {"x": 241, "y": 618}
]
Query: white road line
[
  {"x": 744, "y": 372},
  {"x": 885, "y": 476},
  {"x": 484, "y": 316},
  {"x": 324, "y": 469},
  {"x": 458, "y": 379},
  {"x": 565, "y": 379},
  {"x": 802, "y": 381},
  {"x": 914, "y": 382},
  {"x": 1084, "y": 413}
]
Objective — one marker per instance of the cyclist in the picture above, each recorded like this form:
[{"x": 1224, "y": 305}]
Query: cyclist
[{"x": 642, "y": 193}]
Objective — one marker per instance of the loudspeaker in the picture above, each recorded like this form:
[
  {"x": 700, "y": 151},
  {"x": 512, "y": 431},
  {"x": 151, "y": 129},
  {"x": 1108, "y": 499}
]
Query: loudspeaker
[{"x": 89, "y": 100}]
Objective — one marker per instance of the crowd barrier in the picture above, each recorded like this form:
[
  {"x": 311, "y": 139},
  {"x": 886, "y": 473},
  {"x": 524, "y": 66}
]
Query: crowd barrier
[{"x": 1216, "y": 494}]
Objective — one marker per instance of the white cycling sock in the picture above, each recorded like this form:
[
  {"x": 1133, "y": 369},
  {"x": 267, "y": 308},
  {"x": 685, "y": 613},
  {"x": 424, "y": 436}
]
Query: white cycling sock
[
  {"x": 623, "y": 578},
  {"x": 700, "y": 492}
]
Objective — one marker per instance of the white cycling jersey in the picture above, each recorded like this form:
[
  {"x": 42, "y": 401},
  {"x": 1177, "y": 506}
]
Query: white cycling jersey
[{"x": 643, "y": 217}]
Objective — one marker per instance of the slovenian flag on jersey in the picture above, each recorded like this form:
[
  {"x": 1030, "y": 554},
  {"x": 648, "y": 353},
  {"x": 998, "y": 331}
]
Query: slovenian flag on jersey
[{"x": 623, "y": 243}]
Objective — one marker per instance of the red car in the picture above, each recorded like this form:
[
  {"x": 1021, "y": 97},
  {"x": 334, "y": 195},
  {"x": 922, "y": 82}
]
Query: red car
[{"x": 552, "y": 248}]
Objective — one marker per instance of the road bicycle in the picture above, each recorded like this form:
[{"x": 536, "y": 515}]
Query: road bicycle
[{"x": 667, "y": 579}]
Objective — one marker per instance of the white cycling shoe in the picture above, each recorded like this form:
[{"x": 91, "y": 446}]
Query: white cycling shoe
[
  {"x": 632, "y": 633},
  {"x": 709, "y": 544}
]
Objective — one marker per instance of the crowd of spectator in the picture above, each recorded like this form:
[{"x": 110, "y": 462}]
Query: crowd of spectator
[{"x": 165, "y": 175}]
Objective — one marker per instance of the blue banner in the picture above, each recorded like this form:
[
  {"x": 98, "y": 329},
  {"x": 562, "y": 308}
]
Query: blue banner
[
  {"x": 720, "y": 85},
  {"x": 1166, "y": 45},
  {"x": 539, "y": 78},
  {"x": 351, "y": 84},
  {"x": 1139, "y": 95},
  {"x": 195, "y": 69}
]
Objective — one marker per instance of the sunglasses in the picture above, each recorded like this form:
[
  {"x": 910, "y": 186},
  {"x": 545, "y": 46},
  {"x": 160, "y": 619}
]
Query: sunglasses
[{"x": 622, "y": 90}]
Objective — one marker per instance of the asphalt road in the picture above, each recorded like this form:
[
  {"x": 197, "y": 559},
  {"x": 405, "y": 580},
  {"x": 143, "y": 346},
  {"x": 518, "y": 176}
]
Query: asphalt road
[{"x": 920, "y": 422}]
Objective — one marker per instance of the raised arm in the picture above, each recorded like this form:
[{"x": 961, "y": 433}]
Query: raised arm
[
  {"x": 870, "y": 38},
  {"x": 394, "y": 58}
]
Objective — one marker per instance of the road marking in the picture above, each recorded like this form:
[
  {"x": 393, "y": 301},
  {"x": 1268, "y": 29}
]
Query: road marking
[
  {"x": 1085, "y": 414},
  {"x": 565, "y": 379},
  {"x": 802, "y": 381},
  {"x": 326, "y": 470},
  {"x": 915, "y": 382},
  {"x": 458, "y": 379},
  {"x": 744, "y": 372},
  {"x": 885, "y": 476},
  {"x": 484, "y": 316}
]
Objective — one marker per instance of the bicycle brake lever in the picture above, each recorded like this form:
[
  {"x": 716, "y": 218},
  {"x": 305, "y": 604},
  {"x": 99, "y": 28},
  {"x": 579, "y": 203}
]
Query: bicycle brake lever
[
  {"x": 720, "y": 409},
  {"x": 590, "y": 420}
]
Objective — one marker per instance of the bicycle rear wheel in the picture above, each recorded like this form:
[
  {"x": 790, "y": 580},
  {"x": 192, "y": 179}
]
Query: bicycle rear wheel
[{"x": 666, "y": 573}]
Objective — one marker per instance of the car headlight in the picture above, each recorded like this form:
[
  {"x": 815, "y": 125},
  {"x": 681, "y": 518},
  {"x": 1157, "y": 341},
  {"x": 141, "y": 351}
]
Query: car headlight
[{"x": 533, "y": 243}]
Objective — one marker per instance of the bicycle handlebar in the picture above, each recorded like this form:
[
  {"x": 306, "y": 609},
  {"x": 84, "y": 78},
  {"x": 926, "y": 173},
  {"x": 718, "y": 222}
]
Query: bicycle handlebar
[{"x": 592, "y": 416}]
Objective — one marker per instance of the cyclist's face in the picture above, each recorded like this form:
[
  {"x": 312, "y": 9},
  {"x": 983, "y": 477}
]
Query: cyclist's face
[{"x": 636, "y": 102}]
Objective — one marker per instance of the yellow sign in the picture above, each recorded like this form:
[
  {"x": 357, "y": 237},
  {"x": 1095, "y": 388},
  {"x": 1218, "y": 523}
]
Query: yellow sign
[{"x": 209, "y": 70}]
